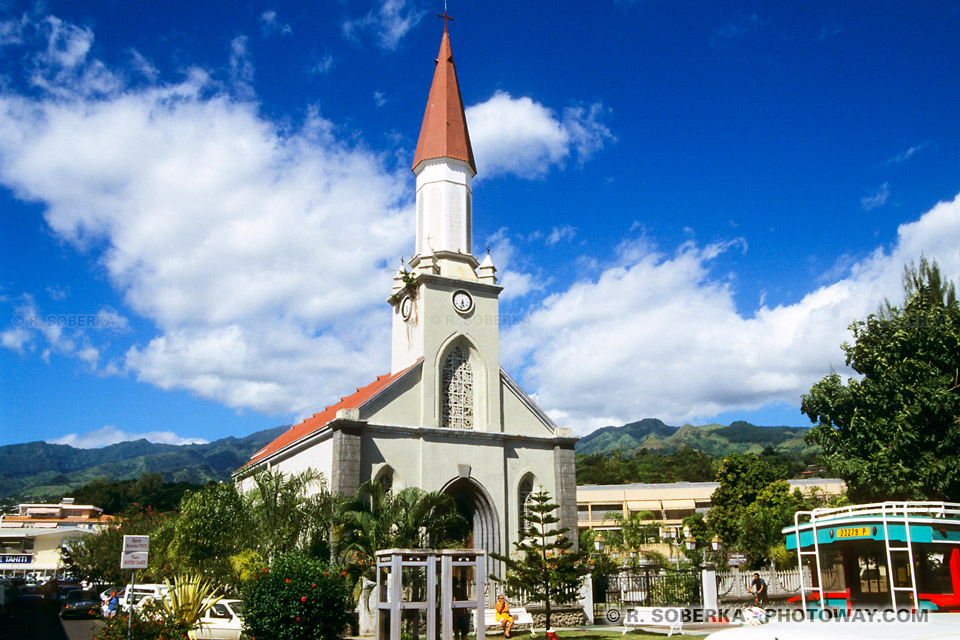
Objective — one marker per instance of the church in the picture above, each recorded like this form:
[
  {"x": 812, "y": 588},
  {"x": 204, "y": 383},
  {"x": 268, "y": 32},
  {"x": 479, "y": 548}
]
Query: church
[{"x": 447, "y": 417}]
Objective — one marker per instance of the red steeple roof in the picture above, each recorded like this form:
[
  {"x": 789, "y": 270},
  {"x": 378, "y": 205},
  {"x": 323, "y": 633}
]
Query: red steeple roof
[{"x": 444, "y": 130}]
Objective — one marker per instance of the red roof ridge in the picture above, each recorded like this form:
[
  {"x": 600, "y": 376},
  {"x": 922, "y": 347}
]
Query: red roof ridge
[
  {"x": 443, "y": 133},
  {"x": 319, "y": 420}
]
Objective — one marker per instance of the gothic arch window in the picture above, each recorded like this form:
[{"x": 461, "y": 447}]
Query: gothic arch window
[
  {"x": 523, "y": 503},
  {"x": 457, "y": 391},
  {"x": 385, "y": 478}
]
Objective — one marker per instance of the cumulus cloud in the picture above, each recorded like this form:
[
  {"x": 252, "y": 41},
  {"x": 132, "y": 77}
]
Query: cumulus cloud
[
  {"x": 112, "y": 435},
  {"x": 227, "y": 233},
  {"x": 522, "y": 137},
  {"x": 389, "y": 22},
  {"x": 657, "y": 335}
]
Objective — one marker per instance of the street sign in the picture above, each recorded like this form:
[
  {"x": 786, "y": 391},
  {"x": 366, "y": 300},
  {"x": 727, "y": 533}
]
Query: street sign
[
  {"x": 737, "y": 558},
  {"x": 135, "y": 550}
]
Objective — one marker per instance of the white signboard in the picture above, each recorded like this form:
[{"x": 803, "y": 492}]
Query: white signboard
[
  {"x": 736, "y": 559},
  {"x": 134, "y": 554}
]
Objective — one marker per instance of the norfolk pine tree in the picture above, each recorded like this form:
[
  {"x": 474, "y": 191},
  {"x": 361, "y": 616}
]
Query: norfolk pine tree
[{"x": 545, "y": 566}]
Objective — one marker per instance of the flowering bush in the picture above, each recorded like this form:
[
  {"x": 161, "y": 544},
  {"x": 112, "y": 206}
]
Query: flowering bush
[
  {"x": 142, "y": 628},
  {"x": 298, "y": 598}
]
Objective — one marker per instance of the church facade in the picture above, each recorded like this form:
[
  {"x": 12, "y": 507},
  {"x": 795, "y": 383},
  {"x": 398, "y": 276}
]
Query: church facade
[{"x": 447, "y": 417}]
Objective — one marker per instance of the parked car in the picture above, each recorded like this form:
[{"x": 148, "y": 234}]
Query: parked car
[
  {"x": 81, "y": 603},
  {"x": 32, "y": 596},
  {"x": 222, "y": 621},
  {"x": 63, "y": 590},
  {"x": 135, "y": 595}
]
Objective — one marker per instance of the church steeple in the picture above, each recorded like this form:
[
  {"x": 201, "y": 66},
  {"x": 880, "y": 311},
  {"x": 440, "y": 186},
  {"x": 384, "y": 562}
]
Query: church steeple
[
  {"x": 444, "y": 131},
  {"x": 444, "y": 166}
]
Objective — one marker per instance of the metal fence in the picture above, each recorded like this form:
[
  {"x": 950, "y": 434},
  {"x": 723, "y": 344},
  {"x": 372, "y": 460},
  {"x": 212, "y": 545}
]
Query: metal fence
[{"x": 647, "y": 588}]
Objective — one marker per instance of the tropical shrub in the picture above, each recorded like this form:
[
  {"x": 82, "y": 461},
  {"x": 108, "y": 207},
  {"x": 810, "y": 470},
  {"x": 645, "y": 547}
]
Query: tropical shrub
[
  {"x": 143, "y": 628},
  {"x": 296, "y": 598}
]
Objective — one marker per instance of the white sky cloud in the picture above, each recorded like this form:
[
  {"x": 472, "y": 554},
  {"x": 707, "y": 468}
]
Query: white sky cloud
[
  {"x": 525, "y": 138},
  {"x": 656, "y": 335},
  {"x": 270, "y": 24},
  {"x": 227, "y": 234},
  {"x": 388, "y": 23},
  {"x": 112, "y": 435},
  {"x": 877, "y": 198}
]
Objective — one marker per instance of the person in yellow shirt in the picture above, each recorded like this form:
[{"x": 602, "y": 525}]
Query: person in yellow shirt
[{"x": 503, "y": 615}]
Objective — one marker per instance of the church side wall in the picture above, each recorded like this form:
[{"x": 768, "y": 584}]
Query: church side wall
[{"x": 318, "y": 456}]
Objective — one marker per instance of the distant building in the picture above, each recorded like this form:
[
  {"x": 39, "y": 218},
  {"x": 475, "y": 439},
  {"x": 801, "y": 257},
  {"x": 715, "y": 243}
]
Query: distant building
[
  {"x": 669, "y": 503},
  {"x": 30, "y": 540}
]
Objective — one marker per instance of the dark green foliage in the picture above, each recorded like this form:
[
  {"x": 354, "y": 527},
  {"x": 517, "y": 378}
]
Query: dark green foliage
[
  {"x": 149, "y": 490},
  {"x": 686, "y": 464},
  {"x": 742, "y": 478},
  {"x": 545, "y": 566},
  {"x": 296, "y": 598},
  {"x": 142, "y": 628},
  {"x": 675, "y": 589},
  {"x": 894, "y": 433},
  {"x": 39, "y": 470},
  {"x": 212, "y": 526},
  {"x": 408, "y": 519}
]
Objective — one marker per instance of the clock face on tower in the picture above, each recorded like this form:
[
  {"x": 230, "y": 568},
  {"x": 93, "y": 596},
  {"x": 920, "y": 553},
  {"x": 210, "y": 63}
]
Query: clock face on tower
[
  {"x": 406, "y": 306},
  {"x": 462, "y": 301}
]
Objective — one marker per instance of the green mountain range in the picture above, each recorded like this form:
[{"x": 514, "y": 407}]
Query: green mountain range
[
  {"x": 712, "y": 439},
  {"x": 42, "y": 470}
]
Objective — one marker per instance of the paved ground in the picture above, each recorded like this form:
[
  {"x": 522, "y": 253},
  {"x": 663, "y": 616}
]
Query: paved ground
[{"x": 42, "y": 623}]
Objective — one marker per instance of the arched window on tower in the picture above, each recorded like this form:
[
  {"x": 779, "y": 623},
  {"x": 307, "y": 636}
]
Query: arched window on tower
[
  {"x": 457, "y": 391},
  {"x": 523, "y": 502}
]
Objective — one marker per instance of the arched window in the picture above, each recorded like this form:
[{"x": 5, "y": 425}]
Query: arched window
[
  {"x": 523, "y": 502},
  {"x": 457, "y": 391},
  {"x": 386, "y": 480}
]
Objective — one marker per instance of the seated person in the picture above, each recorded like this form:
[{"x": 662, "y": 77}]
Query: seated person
[{"x": 503, "y": 615}]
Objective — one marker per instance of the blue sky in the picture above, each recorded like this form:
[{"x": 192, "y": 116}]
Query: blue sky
[{"x": 202, "y": 203}]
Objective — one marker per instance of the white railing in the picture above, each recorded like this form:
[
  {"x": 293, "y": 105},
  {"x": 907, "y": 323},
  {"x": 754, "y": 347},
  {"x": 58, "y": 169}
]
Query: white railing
[
  {"x": 734, "y": 584},
  {"x": 917, "y": 509}
]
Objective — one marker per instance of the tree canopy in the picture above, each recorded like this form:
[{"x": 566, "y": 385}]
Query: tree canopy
[{"x": 894, "y": 432}]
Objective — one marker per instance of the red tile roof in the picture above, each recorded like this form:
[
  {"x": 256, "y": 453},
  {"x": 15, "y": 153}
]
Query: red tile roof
[
  {"x": 319, "y": 420},
  {"x": 444, "y": 131}
]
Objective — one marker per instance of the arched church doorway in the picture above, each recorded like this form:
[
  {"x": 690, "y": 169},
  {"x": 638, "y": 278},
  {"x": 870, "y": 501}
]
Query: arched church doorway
[{"x": 474, "y": 503}]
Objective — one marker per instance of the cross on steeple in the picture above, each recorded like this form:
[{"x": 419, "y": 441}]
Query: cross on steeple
[{"x": 444, "y": 16}]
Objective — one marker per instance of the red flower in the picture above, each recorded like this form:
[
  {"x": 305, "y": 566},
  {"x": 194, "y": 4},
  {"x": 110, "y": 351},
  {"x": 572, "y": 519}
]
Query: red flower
[
  {"x": 344, "y": 573},
  {"x": 324, "y": 573},
  {"x": 298, "y": 618},
  {"x": 303, "y": 599},
  {"x": 313, "y": 586},
  {"x": 288, "y": 579}
]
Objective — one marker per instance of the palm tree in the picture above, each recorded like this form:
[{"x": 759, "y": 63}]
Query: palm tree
[
  {"x": 409, "y": 519},
  {"x": 288, "y": 511}
]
